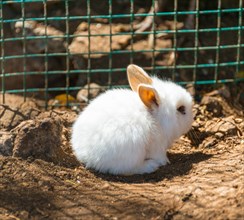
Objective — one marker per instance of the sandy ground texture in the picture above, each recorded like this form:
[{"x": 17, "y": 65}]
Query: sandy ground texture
[{"x": 40, "y": 178}]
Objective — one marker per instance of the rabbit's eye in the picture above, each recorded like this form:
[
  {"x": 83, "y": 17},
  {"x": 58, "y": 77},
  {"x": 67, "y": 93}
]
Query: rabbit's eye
[{"x": 182, "y": 109}]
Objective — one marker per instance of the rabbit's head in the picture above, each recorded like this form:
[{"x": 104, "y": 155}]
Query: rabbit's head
[{"x": 169, "y": 103}]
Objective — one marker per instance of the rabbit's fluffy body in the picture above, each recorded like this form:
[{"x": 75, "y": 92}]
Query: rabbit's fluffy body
[{"x": 118, "y": 134}]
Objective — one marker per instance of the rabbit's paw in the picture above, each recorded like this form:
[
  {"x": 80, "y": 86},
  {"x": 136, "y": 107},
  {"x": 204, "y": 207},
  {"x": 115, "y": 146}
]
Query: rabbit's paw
[
  {"x": 148, "y": 166},
  {"x": 164, "y": 161}
]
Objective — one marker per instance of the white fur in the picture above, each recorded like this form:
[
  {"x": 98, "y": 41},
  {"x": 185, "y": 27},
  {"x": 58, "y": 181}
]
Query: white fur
[{"x": 118, "y": 134}]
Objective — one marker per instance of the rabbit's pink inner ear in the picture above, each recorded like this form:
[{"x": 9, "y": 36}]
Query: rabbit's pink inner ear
[
  {"x": 136, "y": 75},
  {"x": 148, "y": 95}
]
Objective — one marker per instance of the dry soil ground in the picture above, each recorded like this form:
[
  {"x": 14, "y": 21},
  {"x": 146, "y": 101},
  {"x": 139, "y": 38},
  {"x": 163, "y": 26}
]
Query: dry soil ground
[{"x": 40, "y": 178}]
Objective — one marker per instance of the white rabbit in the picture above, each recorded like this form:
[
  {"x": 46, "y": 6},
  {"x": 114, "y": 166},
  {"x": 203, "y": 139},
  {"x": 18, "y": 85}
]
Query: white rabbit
[{"x": 128, "y": 132}]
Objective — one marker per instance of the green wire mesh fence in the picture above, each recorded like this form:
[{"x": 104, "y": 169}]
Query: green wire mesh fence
[{"x": 53, "y": 47}]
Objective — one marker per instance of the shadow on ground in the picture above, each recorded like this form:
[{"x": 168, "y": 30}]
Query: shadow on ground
[{"x": 180, "y": 165}]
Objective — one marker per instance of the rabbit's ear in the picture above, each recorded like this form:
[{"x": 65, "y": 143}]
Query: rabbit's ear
[
  {"x": 148, "y": 95},
  {"x": 136, "y": 75}
]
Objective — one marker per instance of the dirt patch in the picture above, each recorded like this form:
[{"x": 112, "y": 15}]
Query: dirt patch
[
  {"x": 41, "y": 179},
  {"x": 39, "y": 176}
]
